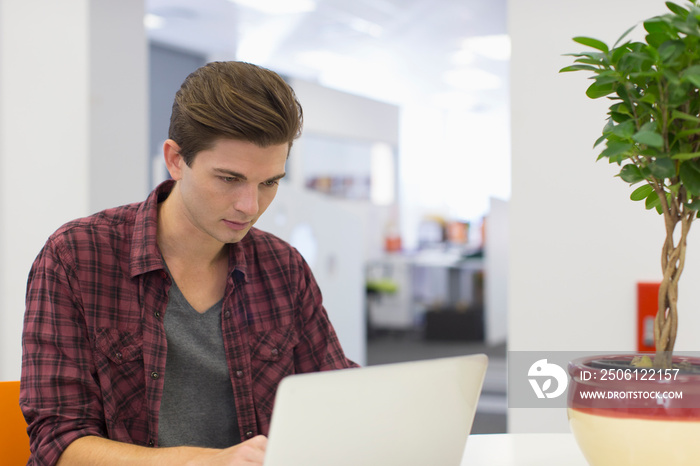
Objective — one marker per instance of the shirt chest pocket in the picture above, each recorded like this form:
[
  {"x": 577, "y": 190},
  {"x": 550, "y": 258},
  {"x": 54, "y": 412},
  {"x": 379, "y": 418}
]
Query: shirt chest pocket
[
  {"x": 273, "y": 359},
  {"x": 120, "y": 369}
]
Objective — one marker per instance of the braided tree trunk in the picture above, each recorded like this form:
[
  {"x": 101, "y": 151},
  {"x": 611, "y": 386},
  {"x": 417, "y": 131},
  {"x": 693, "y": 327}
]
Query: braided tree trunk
[{"x": 672, "y": 263}]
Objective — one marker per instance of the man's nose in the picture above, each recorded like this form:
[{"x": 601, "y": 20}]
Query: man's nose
[{"x": 247, "y": 200}]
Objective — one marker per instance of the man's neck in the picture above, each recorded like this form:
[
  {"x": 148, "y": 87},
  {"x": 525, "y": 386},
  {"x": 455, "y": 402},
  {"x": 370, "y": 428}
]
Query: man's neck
[
  {"x": 197, "y": 262},
  {"x": 180, "y": 241}
]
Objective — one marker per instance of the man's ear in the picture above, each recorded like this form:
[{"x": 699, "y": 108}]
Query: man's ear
[{"x": 173, "y": 160}]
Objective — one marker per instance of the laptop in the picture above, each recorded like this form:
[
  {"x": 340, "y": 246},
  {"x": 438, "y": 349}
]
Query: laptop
[{"x": 413, "y": 413}]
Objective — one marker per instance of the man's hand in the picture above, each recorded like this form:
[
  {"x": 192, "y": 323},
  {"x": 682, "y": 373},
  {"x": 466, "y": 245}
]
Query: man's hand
[{"x": 249, "y": 453}]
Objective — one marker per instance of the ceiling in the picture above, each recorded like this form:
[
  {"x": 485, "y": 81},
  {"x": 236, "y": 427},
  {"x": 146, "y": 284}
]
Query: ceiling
[{"x": 392, "y": 50}]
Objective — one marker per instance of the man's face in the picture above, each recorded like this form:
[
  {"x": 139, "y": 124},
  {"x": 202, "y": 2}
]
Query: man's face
[{"x": 228, "y": 187}]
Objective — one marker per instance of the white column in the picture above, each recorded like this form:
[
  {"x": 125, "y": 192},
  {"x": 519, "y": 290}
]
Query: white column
[
  {"x": 119, "y": 165},
  {"x": 73, "y": 135}
]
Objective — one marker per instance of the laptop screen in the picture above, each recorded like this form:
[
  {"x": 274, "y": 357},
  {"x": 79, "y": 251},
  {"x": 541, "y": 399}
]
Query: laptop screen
[{"x": 411, "y": 413}]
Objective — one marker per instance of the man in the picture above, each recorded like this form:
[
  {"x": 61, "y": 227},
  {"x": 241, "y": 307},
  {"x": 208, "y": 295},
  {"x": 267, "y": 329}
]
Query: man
[{"x": 157, "y": 333}]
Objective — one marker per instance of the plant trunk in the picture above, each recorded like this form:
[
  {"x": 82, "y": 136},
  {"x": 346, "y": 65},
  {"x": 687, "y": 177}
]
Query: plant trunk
[{"x": 672, "y": 262}]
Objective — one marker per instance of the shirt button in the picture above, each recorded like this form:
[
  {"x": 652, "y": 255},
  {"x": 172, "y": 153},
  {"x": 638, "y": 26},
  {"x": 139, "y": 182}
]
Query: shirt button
[
  {"x": 154, "y": 375},
  {"x": 274, "y": 352},
  {"x": 151, "y": 443},
  {"x": 249, "y": 434},
  {"x": 227, "y": 314},
  {"x": 118, "y": 355},
  {"x": 239, "y": 374},
  {"x": 157, "y": 314}
]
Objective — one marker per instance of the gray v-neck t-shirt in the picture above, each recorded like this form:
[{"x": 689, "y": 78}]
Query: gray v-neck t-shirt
[{"x": 198, "y": 407}]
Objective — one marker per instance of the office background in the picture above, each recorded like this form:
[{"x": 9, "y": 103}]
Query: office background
[{"x": 74, "y": 139}]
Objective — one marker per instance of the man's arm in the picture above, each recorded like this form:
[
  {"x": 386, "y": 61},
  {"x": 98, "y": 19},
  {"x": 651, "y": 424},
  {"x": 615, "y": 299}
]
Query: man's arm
[
  {"x": 319, "y": 348},
  {"x": 96, "y": 451},
  {"x": 58, "y": 392}
]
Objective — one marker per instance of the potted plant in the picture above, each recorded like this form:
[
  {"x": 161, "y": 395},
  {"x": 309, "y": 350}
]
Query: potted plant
[{"x": 653, "y": 135}]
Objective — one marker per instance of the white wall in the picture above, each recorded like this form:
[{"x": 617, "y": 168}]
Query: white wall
[
  {"x": 496, "y": 263},
  {"x": 578, "y": 245},
  {"x": 63, "y": 153},
  {"x": 338, "y": 114}
]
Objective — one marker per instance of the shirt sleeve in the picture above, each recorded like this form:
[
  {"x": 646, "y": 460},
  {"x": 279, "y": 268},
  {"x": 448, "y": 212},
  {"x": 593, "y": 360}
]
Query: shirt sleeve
[
  {"x": 319, "y": 348},
  {"x": 59, "y": 395}
]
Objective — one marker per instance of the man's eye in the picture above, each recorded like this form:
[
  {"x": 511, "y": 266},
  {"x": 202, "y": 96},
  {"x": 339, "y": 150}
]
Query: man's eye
[
  {"x": 228, "y": 179},
  {"x": 270, "y": 184}
]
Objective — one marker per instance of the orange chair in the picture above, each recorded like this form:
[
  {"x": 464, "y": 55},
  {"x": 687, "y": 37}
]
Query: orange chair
[{"x": 14, "y": 441}]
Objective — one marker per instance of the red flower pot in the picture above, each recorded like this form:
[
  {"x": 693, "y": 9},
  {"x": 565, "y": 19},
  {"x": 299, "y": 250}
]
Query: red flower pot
[{"x": 621, "y": 415}]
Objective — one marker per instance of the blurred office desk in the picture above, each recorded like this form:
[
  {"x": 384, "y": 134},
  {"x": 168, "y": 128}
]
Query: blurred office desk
[{"x": 522, "y": 450}]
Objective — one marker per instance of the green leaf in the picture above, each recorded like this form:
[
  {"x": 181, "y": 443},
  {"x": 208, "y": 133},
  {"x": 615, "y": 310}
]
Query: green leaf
[
  {"x": 615, "y": 148},
  {"x": 689, "y": 27},
  {"x": 656, "y": 39},
  {"x": 692, "y": 75},
  {"x": 652, "y": 201},
  {"x": 672, "y": 76},
  {"x": 620, "y": 108},
  {"x": 618, "y": 54},
  {"x": 650, "y": 138},
  {"x": 694, "y": 204},
  {"x": 648, "y": 126},
  {"x": 631, "y": 174},
  {"x": 599, "y": 140},
  {"x": 609, "y": 125},
  {"x": 656, "y": 25},
  {"x": 637, "y": 62},
  {"x": 678, "y": 94},
  {"x": 686, "y": 156},
  {"x": 578, "y": 68},
  {"x": 659, "y": 207},
  {"x": 690, "y": 176},
  {"x": 670, "y": 50},
  {"x": 649, "y": 98},
  {"x": 649, "y": 152},
  {"x": 688, "y": 132},
  {"x": 624, "y": 130},
  {"x": 663, "y": 168},
  {"x": 596, "y": 90},
  {"x": 606, "y": 78},
  {"x": 641, "y": 192},
  {"x": 676, "y": 114},
  {"x": 680, "y": 11},
  {"x": 588, "y": 61},
  {"x": 597, "y": 56},
  {"x": 619, "y": 117},
  {"x": 593, "y": 43},
  {"x": 624, "y": 35}
]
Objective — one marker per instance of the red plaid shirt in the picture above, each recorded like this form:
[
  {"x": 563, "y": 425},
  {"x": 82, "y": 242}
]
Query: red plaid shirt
[{"x": 94, "y": 345}]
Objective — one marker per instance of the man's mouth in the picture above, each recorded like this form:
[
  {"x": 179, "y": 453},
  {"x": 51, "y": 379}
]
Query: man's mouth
[{"x": 236, "y": 225}]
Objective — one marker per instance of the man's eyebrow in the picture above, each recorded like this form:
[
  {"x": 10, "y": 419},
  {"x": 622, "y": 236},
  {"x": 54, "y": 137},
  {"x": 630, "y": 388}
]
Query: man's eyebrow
[
  {"x": 241, "y": 176},
  {"x": 232, "y": 173}
]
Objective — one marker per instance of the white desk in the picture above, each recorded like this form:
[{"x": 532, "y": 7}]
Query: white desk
[{"x": 522, "y": 450}]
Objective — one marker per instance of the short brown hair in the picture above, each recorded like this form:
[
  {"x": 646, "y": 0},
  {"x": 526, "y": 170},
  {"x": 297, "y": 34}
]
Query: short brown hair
[{"x": 233, "y": 100}]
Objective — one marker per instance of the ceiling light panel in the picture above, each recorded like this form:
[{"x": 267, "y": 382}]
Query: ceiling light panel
[{"x": 278, "y": 7}]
